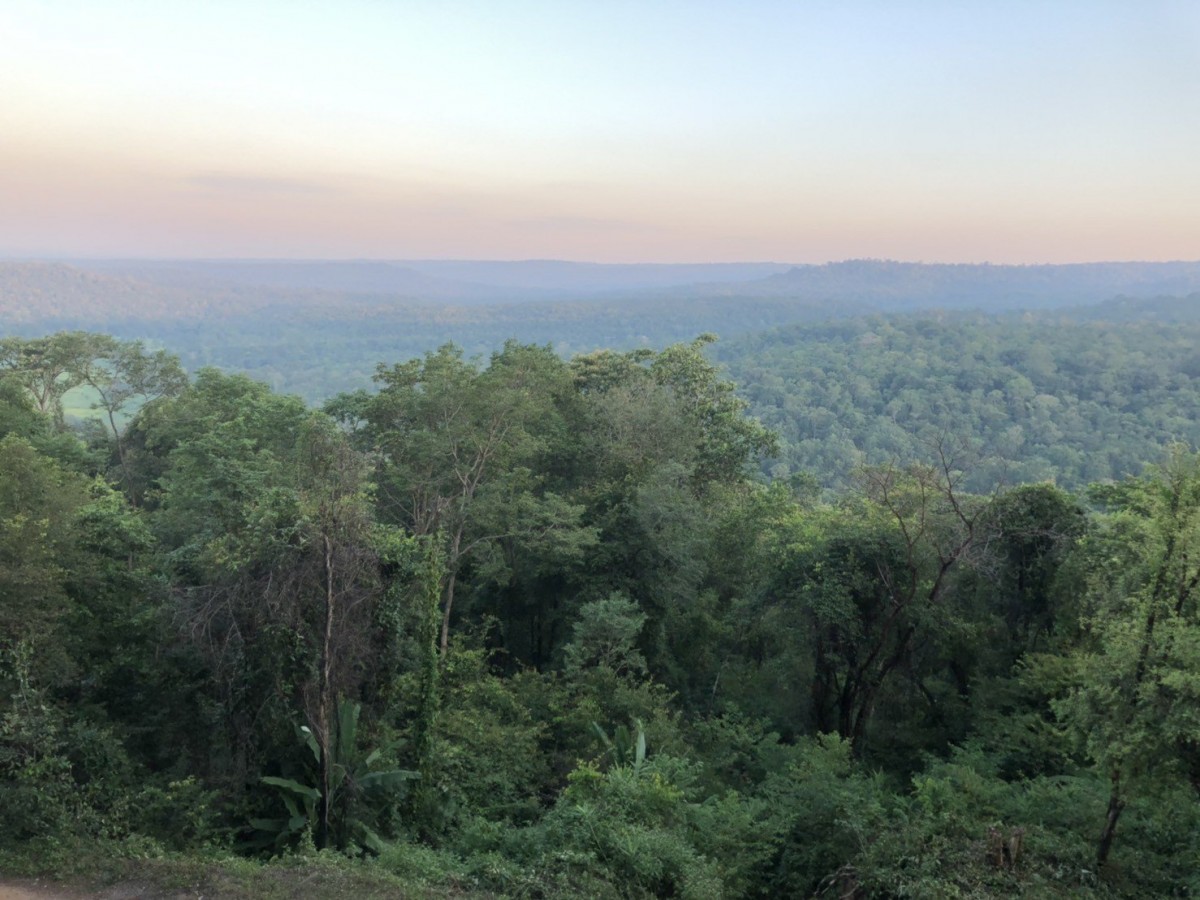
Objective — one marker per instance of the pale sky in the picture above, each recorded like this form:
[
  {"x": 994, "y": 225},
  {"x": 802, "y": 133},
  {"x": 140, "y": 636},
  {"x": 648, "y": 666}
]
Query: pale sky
[{"x": 603, "y": 131}]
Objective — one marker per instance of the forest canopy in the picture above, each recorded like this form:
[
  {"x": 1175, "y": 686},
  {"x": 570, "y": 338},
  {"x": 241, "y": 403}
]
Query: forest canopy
[
  {"x": 535, "y": 626},
  {"x": 1069, "y": 401}
]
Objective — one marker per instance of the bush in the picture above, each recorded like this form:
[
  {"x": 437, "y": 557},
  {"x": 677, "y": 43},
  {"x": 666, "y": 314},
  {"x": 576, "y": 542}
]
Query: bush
[{"x": 59, "y": 775}]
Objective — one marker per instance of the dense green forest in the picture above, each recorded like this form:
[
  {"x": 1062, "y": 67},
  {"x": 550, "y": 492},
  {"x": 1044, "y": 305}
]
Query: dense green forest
[
  {"x": 541, "y": 627},
  {"x": 1073, "y": 400}
]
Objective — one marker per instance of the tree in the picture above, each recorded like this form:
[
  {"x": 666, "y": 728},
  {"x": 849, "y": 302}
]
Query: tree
[
  {"x": 729, "y": 439},
  {"x": 47, "y": 368},
  {"x": 1032, "y": 530},
  {"x": 876, "y": 579},
  {"x": 673, "y": 406},
  {"x": 71, "y": 567},
  {"x": 460, "y": 451},
  {"x": 667, "y": 450},
  {"x": 124, "y": 376},
  {"x": 72, "y": 604},
  {"x": 1135, "y": 704},
  {"x": 39, "y": 503},
  {"x": 265, "y": 509},
  {"x": 606, "y": 635}
]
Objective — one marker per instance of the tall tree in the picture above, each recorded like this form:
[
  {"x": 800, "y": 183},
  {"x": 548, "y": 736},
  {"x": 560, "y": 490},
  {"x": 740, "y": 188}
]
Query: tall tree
[
  {"x": 666, "y": 448},
  {"x": 876, "y": 577},
  {"x": 264, "y": 508},
  {"x": 1136, "y": 700},
  {"x": 125, "y": 376},
  {"x": 48, "y": 368},
  {"x": 39, "y": 503},
  {"x": 461, "y": 451}
]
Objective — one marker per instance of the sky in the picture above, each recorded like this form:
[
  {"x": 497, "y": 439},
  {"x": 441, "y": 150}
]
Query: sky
[{"x": 1004, "y": 132}]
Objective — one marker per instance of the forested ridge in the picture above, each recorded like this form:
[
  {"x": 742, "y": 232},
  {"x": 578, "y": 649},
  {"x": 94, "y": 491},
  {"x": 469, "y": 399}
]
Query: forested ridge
[
  {"x": 542, "y": 627},
  {"x": 1089, "y": 396},
  {"x": 317, "y": 328}
]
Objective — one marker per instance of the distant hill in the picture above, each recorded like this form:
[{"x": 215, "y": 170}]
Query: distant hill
[
  {"x": 461, "y": 282},
  {"x": 60, "y": 295},
  {"x": 154, "y": 289},
  {"x": 340, "y": 277},
  {"x": 861, "y": 284},
  {"x": 317, "y": 328},
  {"x": 43, "y": 295},
  {"x": 594, "y": 278},
  {"x": 1142, "y": 309},
  {"x": 886, "y": 286}
]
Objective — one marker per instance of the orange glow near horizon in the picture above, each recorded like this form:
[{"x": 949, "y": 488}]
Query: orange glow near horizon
[{"x": 560, "y": 132}]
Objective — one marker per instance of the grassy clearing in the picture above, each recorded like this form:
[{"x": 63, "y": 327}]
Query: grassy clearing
[{"x": 78, "y": 407}]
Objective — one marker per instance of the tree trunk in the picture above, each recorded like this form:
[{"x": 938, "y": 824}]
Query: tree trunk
[
  {"x": 859, "y": 718},
  {"x": 1115, "y": 805},
  {"x": 122, "y": 459},
  {"x": 445, "y": 640},
  {"x": 323, "y": 703},
  {"x": 451, "y": 578},
  {"x": 427, "y": 719}
]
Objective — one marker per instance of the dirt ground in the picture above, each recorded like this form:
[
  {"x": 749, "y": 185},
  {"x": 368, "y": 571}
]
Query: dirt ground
[
  {"x": 36, "y": 889},
  {"x": 31, "y": 890}
]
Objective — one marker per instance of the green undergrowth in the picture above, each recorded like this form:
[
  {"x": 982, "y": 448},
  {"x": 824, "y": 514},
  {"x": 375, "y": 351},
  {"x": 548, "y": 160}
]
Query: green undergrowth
[{"x": 140, "y": 864}]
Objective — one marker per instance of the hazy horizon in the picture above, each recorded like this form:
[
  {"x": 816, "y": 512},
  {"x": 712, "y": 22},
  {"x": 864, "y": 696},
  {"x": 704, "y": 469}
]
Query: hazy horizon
[
  {"x": 1021, "y": 133},
  {"x": 400, "y": 261}
]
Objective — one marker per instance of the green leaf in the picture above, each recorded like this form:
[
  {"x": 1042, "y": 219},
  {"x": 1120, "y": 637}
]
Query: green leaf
[
  {"x": 290, "y": 803},
  {"x": 311, "y": 741},
  {"x": 295, "y": 787},
  {"x": 368, "y": 838},
  {"x": 387, "y": 781}
]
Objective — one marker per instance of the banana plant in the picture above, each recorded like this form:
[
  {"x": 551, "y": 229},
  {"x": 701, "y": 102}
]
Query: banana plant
[
  {"x": 357, "y": 792},
  {"x": 300, "y": 802},
  {"x": 624, "y": 748}
]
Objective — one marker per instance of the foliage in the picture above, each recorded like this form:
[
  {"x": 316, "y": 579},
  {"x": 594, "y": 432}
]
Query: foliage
[
  {"x": 351, "y": 795},
  {"x": 59, "y": 774},
  {"x": 1135, "y": 704},
  {"x": 620, "y": 663},
  {"x": 606, "y": 635},
  {"x": 1047, "y": 397},
  {"x": 486, "y": 760}
]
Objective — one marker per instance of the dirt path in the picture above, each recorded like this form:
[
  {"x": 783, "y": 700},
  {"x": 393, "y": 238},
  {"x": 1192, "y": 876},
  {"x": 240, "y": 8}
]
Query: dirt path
[
  {"x": 15, "y": 889},
  {"x": 40, "y": 889}
]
